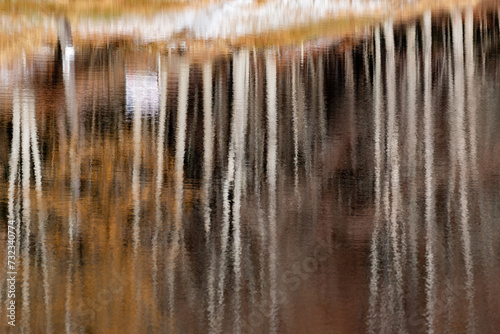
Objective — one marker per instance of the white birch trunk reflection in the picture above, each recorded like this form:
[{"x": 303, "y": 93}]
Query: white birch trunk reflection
[
  {"x": 180, "y": 147},
  {"x": 412, "y": 123},
  {"x": 68, "y": 57},
  {"x": 259, "y": 135},
  {"x": 208, "y": 143},
  {"x": 14, "y": 160},
  {"x": 450, "y": 300},
  {"x": 395, "y": 228},
  {"x": 271, "y": 179},
  {"x": 373, "y": 311},
  {"x": 208, "y": 138},
  {"x": 136, "y": 170},
  {"x": 321, "y": 104},
  {"x": 462, "y": 162},
  {"x": 307, "y": 124},
  {"x": 226, "y": 208},
  {"x": 26, "y": 203},
  {"x": 295, "y": 121},
  {"x": 471, "y": 96},
  {"x": 27, "y": 108},
  {"x": 236, "y": 166},
  {"x": 349, "y": 82},
  {"x": 160, "y": 142},
  {"x": 136, "y": 199},
  {"x": 13, "y": 212},
  {"x": 429, "y": 175}
]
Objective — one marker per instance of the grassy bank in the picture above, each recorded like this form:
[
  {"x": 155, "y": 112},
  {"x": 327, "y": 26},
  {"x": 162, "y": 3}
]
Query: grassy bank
[
  {"x": 30, "y": 24},
  {"x": 92, "y": 8}
]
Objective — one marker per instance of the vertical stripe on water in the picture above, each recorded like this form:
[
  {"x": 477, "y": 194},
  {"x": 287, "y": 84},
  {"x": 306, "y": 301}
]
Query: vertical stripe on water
[
  {"x": 411, "y": 70},
  {"x": 463, "y": 164},
  {"x": 180, "y": 145},
  {"x": 294, "y": 66},
  {"x": 159, "y": 171},
  {"x": 271, "y": 180},
  {"x": 393, "y": 158},
  {"x": 72, "y": 115},
  {"x": 27, "y": 102},
  {"x": 350, "y": 96},
  {"x": 208, "y": 138},
  {"x": 13, "y": 214},
  {"x": 14, "y": 160},
  {"x": 429, "y": 175},
  {"x": 237, "y": 153},
  {"x": 450, "y": 201},
  {"x": 208, "y": 143},
  {"x": 373, "y": 311}
]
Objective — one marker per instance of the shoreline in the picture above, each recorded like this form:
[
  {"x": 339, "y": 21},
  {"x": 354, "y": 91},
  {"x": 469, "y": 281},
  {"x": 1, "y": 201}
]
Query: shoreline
[{"x": 23, "y": 35}]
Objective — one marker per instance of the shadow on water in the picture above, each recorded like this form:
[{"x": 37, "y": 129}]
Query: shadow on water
[{"x": 330, "y": 188}]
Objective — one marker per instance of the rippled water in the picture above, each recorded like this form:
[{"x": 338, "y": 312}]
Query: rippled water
[{"x": 344, "y": 186}]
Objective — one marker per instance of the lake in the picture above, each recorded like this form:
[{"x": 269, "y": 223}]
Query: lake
[{"x": 340, "y": 184}]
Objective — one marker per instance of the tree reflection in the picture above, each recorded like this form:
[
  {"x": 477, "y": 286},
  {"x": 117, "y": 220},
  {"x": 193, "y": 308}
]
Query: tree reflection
[{"x": 207, "y": 185}]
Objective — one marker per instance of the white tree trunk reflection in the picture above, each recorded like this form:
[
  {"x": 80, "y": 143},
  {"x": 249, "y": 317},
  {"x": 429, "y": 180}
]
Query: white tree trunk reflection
[
  {"x": 27, "y": 108},
  {"x": 271, "y": 177},
  {"x": 237, "y": 168},
  {"x": 462, "y": 162},
  {"x": 160, "y": 142},
  {"x": 412, "y": 125},
  {"x": 180, "y": 147},
  {"x": 373, "y": 311}
]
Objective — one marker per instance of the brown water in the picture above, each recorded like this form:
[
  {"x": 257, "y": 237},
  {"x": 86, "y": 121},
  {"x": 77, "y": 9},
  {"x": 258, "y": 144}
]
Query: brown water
[{"x": 344, "y": 186}]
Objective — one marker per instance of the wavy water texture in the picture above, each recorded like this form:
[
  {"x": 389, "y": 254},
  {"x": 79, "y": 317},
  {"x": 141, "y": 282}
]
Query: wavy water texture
[{"x": 346, "y": 187}]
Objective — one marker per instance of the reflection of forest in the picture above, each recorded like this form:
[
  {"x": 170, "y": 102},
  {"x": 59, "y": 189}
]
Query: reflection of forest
[{"x": 160, "y": 191}]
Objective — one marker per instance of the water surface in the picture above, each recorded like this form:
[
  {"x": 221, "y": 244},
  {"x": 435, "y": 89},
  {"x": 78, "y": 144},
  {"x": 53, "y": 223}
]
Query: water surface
[{"x": 340, "y": 186}]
